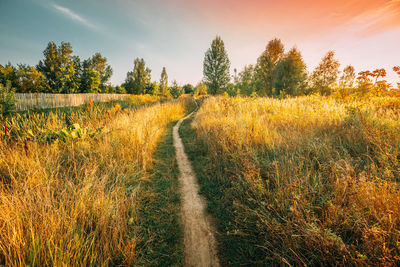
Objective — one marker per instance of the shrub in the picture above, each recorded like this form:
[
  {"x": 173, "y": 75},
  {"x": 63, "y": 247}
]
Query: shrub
[{"x": 7, "y": 99}]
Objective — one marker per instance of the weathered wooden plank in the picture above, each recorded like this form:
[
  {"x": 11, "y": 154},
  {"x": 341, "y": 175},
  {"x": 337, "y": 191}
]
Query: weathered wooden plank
[{"x": 41, "y": 100}]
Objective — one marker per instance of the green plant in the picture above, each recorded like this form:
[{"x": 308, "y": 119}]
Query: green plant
[{"x": 7, "y": 99}]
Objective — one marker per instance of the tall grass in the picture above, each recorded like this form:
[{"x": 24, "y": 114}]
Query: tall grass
[
  {"x": 301, "y": 181},
  {"x": 71, "y": 200}
]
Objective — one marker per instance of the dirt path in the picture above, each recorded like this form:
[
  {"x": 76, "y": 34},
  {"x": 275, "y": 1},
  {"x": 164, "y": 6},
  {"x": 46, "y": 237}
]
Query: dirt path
[{"x": 199, "y": 242}]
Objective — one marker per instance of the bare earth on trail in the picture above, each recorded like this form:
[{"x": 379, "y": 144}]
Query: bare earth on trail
[{"x": 199, "y": 242}]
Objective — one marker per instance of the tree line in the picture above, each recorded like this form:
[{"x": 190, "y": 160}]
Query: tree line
[
  {"x": 276, "y": 73},
  {"x": 280, "y": 73},
  {"x": 62, "y": 72}
]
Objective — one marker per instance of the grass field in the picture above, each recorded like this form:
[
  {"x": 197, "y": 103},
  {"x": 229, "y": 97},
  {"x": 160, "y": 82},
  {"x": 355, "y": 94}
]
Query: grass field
[
  {"x": 300, "y": 181},
  {"x": 73, "y": 185},
  {"x": 297, "y": 181}
]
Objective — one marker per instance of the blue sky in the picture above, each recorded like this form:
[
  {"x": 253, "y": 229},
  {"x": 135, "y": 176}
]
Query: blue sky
[{"x": 176, "y": 33}]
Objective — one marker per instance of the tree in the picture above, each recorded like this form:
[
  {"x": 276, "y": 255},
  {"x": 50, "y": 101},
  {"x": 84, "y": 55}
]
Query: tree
[
  {"x": 246, "y": 80},
  {"x": 90, "y": 80},
  {"x": 290, "y": 74},
  {"x": 30, "y": 80},
  {"x": 7, "y": 99},
  {"x": 164, "y": 89},
  {"x": 8, "y": 73},
  {"x": 99, "y": 63},
  {"x": 325, "y": 74},
  {"x": 137, "y": 80},
  {"x": 120, "y": 90},
  {"x": 369, "y": 83},
  {"x": 188, "y": 89},
  {"x": 266, "y": 66},
  {"x": 153, "y": 88},
  {"x": 347, "y": 78},
  {"x": 397, "y": 70},
  {"x": 175, "y": 90},
  {"x": 216, "y": 67},
  {"x": 201, "y": 89},
  {"x": 58, "y": 68}
]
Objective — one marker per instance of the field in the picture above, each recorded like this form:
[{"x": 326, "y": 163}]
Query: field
[
  {"x": 72, "y": 183},
  {"x": 300, "y": 181},
  {"x": 307, "y": 180}
]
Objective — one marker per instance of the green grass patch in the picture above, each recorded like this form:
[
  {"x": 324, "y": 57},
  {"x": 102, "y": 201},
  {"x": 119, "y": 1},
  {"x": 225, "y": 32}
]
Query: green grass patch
[{"x": 160, "y": 232}]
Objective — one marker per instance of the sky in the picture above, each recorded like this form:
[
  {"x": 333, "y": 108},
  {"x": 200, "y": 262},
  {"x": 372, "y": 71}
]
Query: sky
[{"x": 177, "y": 33}]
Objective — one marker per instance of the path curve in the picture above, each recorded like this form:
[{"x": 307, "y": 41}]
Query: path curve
[{"x": 199, "y": 243}]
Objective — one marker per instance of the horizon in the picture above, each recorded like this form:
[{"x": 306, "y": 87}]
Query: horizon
[{"x": 177, "y": 33}]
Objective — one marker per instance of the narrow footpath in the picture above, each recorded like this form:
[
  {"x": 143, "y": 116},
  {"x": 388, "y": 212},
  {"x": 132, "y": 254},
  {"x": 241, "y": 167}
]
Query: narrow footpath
[{"x": 199, "y": 243}]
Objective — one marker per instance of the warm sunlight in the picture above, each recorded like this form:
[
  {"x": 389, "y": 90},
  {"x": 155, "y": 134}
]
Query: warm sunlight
[{"x": 199, "y": 133}]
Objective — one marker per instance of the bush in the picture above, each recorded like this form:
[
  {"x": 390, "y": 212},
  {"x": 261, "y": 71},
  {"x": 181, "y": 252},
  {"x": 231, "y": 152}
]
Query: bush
[{"x": 7, "y": 99}]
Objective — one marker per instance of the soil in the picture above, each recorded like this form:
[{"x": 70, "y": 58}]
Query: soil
[{"x": 200, "y": 248}]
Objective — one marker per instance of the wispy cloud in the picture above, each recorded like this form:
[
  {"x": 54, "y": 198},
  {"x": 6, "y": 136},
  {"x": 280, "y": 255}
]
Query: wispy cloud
[{"x": 74, "y": 16}]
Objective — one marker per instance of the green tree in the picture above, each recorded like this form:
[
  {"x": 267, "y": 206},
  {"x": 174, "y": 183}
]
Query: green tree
[
  {"x": 58, "y": 67},
  {"x": 8, "y": 73},
  {"x": 201, "y": 89},
  {"x": 90, "y": 80},
  {"x": 290, "y": 74},
  {"x": 325, "y": 74},
  {"x": 120, "y": 90},
  {"x": 216, "y": 67},
  {"x": 99, "y": 63},
  {"x": 30, "y": 80},
  {"x": 153, "y": 88},
  {"x": 266, "y": 65},
  {"x": 175, "y": 90},
  {"x": 164, "y": 89},
  {"x": 7, "y": 99},
  {"x": 246, "y": 80},
  {"x": 137, "y": 80},
  {"x": 188, "y": 88}
]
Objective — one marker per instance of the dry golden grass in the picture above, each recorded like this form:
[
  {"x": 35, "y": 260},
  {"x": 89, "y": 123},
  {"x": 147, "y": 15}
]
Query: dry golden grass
[
  {"x": 72, "y": 202},
  {"x": 307, "y": 180}
]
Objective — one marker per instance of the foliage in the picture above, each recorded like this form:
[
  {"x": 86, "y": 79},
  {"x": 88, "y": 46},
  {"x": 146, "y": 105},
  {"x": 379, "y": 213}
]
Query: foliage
[
  {"x": 325, "y": 74},
  {"x": 176, "y": 90},
  {"x": 397, "y": 70},
  {"x": 137, "y": 80},
  {"x": 99, "y": 64},
  {"x": 8, "y": 73},
  {"x": 266, "y": 66},
  {"x": 290, "y": 74},
  {"x": 201, "y": 89},
  {"x": 216, "y": 67},
  {"x": 188, "y": 88},
  {"x": 246, "y": 81},
  {"x": 30, "y": 80},
  {"x": 90, "y": 81},
  {"x": 7, "y": 99},
  {"x": 164, "y": 89},
  {"x": 72, "y": 132},
  {"x": 153, "y": 88}
]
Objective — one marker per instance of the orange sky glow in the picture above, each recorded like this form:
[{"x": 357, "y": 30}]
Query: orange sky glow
[{"x": 363, "y": 33}]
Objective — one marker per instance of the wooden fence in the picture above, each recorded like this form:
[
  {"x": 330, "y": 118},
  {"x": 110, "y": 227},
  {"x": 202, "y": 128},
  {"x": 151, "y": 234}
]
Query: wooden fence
[{"x": 40, "y": 100}]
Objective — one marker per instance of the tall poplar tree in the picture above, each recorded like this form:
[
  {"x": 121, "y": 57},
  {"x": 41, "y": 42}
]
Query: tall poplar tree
[
  {"x": 164, "y": 89},
  {"x": 216, "y": 67}
]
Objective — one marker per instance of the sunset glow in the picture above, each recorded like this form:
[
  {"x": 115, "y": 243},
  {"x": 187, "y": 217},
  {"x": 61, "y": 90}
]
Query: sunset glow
[{"x": 176, "y": 33}]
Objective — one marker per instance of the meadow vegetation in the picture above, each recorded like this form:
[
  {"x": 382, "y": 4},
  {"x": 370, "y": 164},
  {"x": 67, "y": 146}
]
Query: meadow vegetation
[
  {"x": 70, "y": 183},
  {"x": 301, "y": 181}
]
